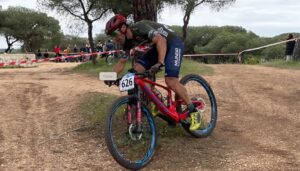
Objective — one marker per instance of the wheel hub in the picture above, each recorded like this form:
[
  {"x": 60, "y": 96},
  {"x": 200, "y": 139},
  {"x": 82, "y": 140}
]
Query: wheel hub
[{"x": 134, "y": 133}]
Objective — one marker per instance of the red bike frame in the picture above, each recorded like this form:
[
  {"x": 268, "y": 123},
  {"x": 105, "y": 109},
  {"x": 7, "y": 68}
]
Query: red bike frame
[{"x": 169, "y": 110}]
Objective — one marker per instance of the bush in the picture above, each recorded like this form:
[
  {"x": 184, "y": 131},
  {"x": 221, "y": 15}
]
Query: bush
[{"x": 252, "y": 60}]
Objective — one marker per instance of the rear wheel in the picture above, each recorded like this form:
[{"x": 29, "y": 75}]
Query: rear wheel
[
  {"x": 204, "y": 100},
  {"x": 131, "y": 147},
  {"x": 110, "y": 59}
]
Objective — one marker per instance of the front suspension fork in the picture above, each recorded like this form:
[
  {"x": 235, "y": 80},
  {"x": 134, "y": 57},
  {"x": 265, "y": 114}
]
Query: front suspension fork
[{"x": 134, "y": 109}]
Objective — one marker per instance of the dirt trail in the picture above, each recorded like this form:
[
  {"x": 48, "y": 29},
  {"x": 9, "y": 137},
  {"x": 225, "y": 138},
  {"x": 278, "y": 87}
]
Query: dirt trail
[{"x": 258, "y": 126}]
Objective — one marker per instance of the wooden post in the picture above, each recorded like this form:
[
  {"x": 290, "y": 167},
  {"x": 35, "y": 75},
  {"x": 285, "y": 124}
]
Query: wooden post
[{"x": 240, "y": 57}]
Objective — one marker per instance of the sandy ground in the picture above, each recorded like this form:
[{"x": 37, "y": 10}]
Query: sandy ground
[{"x": 258, "y": 126}]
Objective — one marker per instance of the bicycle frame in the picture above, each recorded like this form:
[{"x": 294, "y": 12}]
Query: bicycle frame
[{"x": 169, "y": 110}]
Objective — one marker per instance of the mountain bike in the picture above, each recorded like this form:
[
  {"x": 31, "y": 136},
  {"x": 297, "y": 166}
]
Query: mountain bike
[
  {"x": 130, "y": 130},
  {"x": 111, "y": 58}
]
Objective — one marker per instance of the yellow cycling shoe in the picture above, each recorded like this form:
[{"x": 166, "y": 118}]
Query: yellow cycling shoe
[{"x": 196, "y": 120}]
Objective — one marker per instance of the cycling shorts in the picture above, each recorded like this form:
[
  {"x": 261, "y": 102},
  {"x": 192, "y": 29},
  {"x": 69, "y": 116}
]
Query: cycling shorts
[{"x": 172, "y": 60}]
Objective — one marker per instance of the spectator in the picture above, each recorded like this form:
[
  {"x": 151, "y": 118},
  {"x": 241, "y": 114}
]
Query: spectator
[
  {"x": 46, "y": 54},
  {"x": 66, "y": 53},
  {"x": 88, "y": 48},
  {"x": 290, "y": 48},
  {"x": 82, "y": 50},
  {"x": 57, "y": 52},
  {"x": 39, "y": 54},
  {"x": 109, "y": 45},
  {"x": 99, "y": 46},
  {"x": 75, "y": 49}
]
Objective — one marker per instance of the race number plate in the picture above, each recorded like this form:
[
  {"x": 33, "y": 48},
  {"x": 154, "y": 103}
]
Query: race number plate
[
  {"x": 127, "y": 82},
  {"x": 108, "y": 76}
]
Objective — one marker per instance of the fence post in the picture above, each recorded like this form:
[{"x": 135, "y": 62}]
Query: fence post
[{"x": 240, "y": 57}]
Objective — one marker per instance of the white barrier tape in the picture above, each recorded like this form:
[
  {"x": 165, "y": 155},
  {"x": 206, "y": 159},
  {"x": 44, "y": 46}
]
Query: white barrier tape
[
  {"x": 12, "y": 63},
  {"x": 211, "y": 54},
  {"x": 16, "y": 63},
  {"x": 273, "y": 44}
]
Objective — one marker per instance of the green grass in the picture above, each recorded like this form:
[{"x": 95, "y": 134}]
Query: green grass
[
  {"x": 283, "y": 64},
  {"x": 193, "y": 67},
  {"x": 187, "y": 67},
  {"x": 94, "y": 106}
]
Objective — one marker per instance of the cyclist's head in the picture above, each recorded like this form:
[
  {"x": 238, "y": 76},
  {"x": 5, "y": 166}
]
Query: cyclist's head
[{"x": 114, "y": 23}]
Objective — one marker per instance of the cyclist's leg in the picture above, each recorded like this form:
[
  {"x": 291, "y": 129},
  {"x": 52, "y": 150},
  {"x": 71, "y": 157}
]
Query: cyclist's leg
[
  {"x": 174, "y": 84},
  {"x": 144, "y": 63},
  {"x": 139, "y": 68},
  {"x": 172, "y": 67}
]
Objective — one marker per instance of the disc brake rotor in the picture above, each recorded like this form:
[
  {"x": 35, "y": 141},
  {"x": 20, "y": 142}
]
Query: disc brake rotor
[{"x": 133, "y": 134}]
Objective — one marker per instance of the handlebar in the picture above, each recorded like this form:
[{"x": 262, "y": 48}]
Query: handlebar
[{"x": 146, "y": 74}]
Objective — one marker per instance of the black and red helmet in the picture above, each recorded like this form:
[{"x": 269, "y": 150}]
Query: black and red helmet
[{"x": 114, "y": 23}]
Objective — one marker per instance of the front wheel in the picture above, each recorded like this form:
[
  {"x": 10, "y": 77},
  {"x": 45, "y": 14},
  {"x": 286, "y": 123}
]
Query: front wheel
[
  {"x": 132, "y": 146},
  {"x": 200, "y": 92}
]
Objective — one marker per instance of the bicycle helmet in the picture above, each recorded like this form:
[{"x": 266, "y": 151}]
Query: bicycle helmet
[{"x": 114, "y": 23}]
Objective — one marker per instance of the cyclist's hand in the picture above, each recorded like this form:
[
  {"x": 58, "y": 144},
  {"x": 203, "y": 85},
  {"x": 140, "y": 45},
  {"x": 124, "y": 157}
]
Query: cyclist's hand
[
  {"x": 109, "y": 83},
  {"x": 156, "y": 68}
]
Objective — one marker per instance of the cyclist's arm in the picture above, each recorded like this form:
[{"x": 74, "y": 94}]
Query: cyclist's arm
[
  {"x": 119, "y": 67},
  {"x": 161, "y": 46},
  {"x": 150, "y": 33}
]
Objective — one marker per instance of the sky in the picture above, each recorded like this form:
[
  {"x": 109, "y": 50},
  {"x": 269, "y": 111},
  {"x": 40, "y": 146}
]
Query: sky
[{"x": 265, "y": 18}]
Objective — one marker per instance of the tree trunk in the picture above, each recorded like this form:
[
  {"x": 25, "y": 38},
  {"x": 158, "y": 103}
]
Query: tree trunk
[
  {"x": 144, "y": 10},
  {"x": 296, "y": 54},
  {"x": 8, "y": 48},
  {"x": 9, "y": 44},
  {"x": 91, "y": 41},
  {"x": 186, "y": 20}
]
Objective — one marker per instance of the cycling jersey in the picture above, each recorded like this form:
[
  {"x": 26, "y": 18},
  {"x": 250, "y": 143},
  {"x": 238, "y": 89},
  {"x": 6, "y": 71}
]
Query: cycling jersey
[{"x": 146, "y": 30}]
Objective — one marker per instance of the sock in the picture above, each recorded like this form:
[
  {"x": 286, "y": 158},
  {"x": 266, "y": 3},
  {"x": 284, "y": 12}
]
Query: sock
[{"x": 191, "y": 107}]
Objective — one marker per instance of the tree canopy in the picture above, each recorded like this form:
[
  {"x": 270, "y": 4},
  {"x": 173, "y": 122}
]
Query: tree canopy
[
  {"x": 88, "y": 11},
  {"x": 27, "y": 26}
]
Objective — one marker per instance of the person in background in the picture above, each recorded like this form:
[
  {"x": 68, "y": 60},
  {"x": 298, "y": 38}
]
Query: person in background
[
  {"x": 290, "y": 48},
  {"x": 66, "y": 53},
  {"x": 82, "y": 50},
  {"x": 46, "y": 54},
  {"x": 39, "y": 54},
  {"x": 109, "y": 45},
  {"x": 99, "y": 46},
  {"x": 75, "y": 49},
  {"x": 57, "y": 50},
  {"x": 88, "y": 50}
]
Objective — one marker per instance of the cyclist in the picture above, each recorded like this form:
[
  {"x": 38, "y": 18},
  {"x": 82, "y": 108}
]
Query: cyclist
[{"x": 167, "y": 51}]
